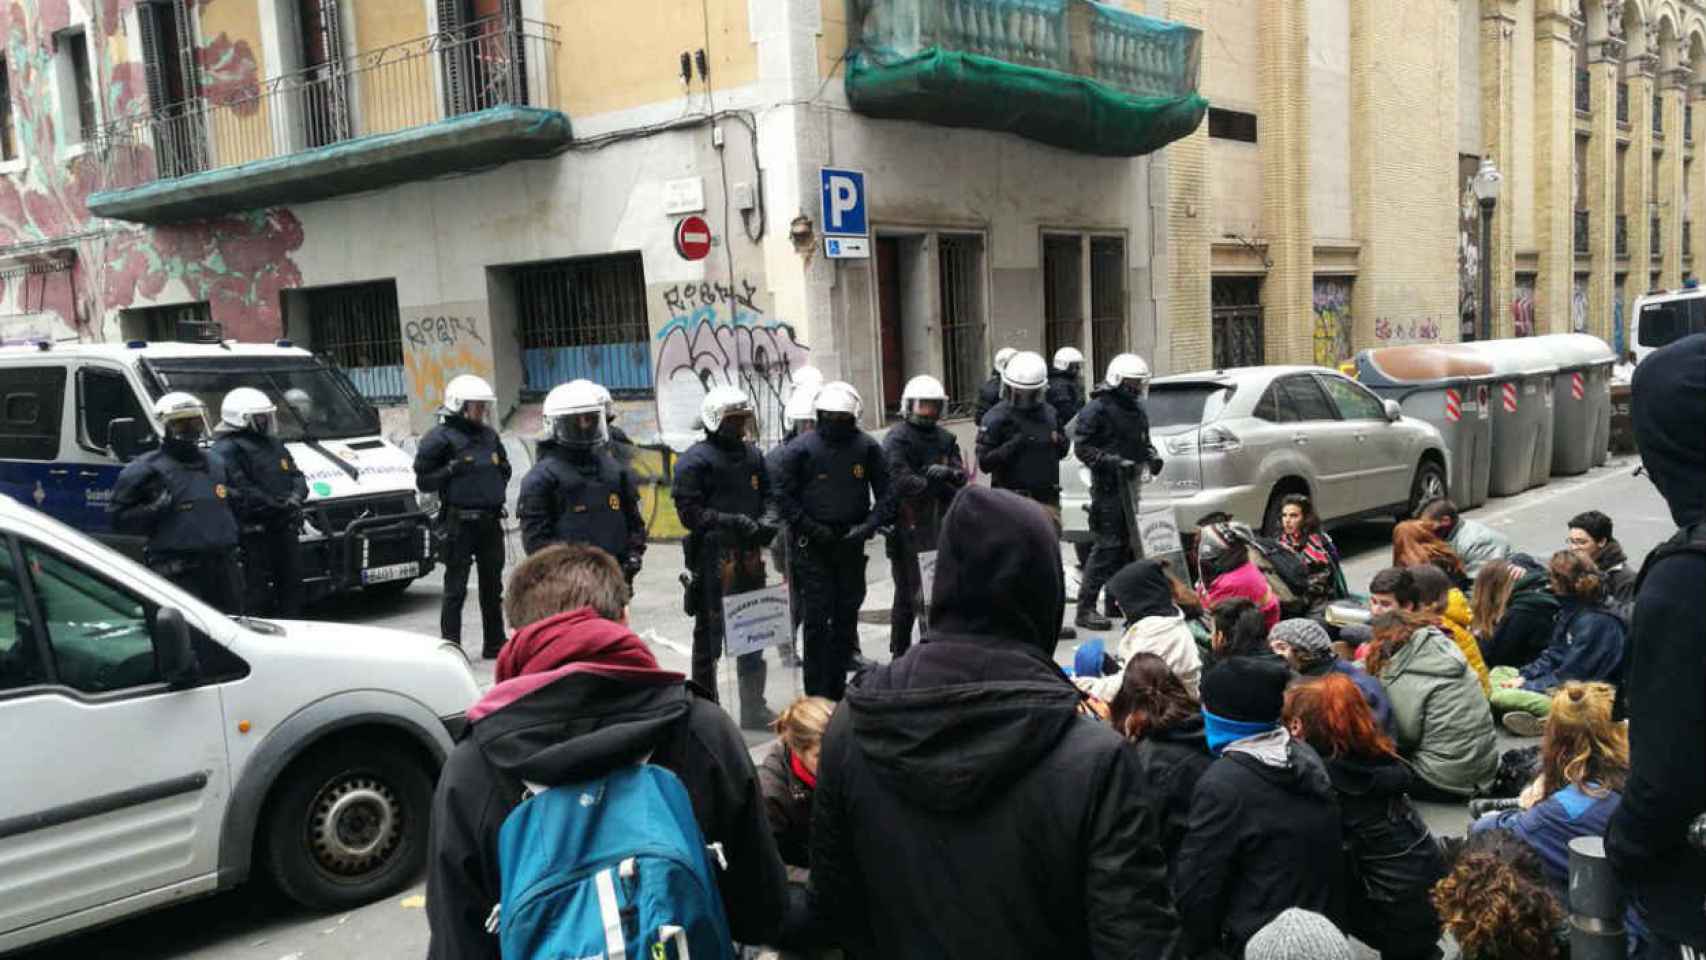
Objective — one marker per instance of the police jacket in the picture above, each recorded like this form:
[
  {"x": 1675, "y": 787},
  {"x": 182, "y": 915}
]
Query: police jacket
[
  {"x": 1065, "y": 395},
  {"x": 464, "y": 463},
  {"x": 580, "y": 496},
  {"x": 263, "y": 476},
  {"x": 1112, "y": 427},
  {"x": 825, "y": 486},
  {"x": 716, "y": 482},
  {"x": 1021, "y": 448},
  {"x": 177, "y": 496},
  {"x": 910, "y": 451},
  {"x": 988, "y": 396}
]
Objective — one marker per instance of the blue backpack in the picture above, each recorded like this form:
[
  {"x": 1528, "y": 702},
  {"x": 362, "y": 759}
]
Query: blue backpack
[{"x": 613, "y": 868}]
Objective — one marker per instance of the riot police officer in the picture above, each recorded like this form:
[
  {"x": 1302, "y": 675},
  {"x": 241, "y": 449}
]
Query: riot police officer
[
  {"x": 462, "y": 460},
  {"x": 833, "y": 491},
  {"x": 1065, "y": 388},
  {"x": 621, "y": 447},
  {"x": 577, "y": 492},
  {"x": 267, "y": 491},
  {"x": 720, "y": 491},
  {"x": 178, "y": 497},
  {"x": 926, "y": 470},
  {"x": 799, "y": 415},
  {"x": 1112, "y": 435},
  {"x": 989, "y": 394}
]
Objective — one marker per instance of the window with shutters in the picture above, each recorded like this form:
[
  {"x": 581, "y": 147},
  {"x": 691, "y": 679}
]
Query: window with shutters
[
  {"x": 584, "y": 318},
  {"x": 8, "y": 136},
  {"x": 77, "y": 118},
  {"x": 168, "y": 61},
  {"x": 482, "y": 54},
  {"x": 324, "y": 91},
  {"x": 357, "y": 327}
]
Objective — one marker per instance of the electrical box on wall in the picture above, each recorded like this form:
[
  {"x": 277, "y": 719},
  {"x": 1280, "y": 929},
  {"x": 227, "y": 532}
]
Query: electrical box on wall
[{"x": 741, "y": 195}]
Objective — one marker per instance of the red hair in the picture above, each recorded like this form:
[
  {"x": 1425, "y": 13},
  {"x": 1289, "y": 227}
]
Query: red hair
[
  {"x": 1415, "y": 544},
  {"x": 1336, "y": 720}
]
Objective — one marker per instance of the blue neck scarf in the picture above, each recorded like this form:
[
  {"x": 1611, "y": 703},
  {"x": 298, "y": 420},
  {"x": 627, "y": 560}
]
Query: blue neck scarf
[{"x": 1221, "y": 731}]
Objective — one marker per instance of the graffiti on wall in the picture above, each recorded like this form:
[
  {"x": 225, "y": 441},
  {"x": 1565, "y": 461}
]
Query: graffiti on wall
[
  {"x": 1617, "y": 335},
  {"x": 1332, "y": 320},
  {"x": 1579, "y": 305},
  {"x": 438, "y": 349},
  {"x": 1398, "y": 330},
  {"x": 720, "y": 337},
  {"x": 1468, "y": 249},
  {"x": 1522, "y": 306}
]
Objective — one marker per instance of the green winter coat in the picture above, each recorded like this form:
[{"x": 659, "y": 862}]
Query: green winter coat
[
  {"x": 1440, "y": 717},
  {"x": 1476, "y": 543}
]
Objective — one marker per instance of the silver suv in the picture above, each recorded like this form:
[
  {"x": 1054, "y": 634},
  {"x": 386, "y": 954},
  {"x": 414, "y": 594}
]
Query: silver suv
[{"x": 1239, "y": 440}]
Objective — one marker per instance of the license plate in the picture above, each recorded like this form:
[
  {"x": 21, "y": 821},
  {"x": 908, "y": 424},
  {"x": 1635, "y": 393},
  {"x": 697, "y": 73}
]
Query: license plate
[{"x": 394, "y": 571}]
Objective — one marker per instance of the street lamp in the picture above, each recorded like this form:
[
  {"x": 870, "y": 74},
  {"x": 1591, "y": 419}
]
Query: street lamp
[{"x": 1487, "y": 182}]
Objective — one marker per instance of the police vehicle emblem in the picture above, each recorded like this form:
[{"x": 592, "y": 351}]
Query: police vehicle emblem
[
  {"x": 284, "y": 464},
  {"x": 858, "y": 471},
  {"x": 615, "y": 504},
  {"x": 219, "y": 490},
  {"x": 495, "y": 460},
  {"x": 755, "y": 481}
]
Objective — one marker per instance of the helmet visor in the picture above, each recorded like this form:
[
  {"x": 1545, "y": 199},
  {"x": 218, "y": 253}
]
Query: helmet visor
[
  {"x": 924, "y": 411},
  {"x": 582, "y": 429},
  {"x": 738, "y": 423},
  {"x": 477, "y": 411},
  {"x": 262, "y": 423},
  {"x": 1024, "y": 399},
  {"x": 186, "y": 427},
  {"x": 1135, "y": 386}
]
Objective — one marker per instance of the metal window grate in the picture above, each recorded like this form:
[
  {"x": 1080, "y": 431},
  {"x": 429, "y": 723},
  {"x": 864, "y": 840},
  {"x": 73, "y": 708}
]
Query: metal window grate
[
  {"x": 1584, "y": 91},
  {"x": 1658, "y": 114},
  {"x": 8, "y": 142},
  {"x": 963, "y": 362},
  {"x": 1063, "y": 323},
  {"x": 358, "y": 327},
  {"x": 1581, "y": 232},
  {"x": 1107, "y": 300},
  {"x": 1656, "y": 237},
  {"x": 585, "y": 318},
  {"x": 1237, "y": 322},
  {"x": 1622, "y": 239},
  {"x": 1623, "y": 102}
]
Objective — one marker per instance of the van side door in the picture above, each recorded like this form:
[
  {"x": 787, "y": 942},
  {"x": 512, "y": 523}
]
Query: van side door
[
  {"x": 33, "y": 415},
  {"x": 104, "y": 393}
]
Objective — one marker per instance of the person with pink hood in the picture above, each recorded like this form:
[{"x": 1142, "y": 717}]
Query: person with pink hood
[{"x": 1223, "y": 555}]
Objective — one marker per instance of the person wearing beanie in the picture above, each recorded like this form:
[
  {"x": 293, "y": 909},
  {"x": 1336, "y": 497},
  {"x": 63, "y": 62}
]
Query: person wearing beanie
[
  {"x": 967, "y": 761},
  {"x": 1298, "y": 935},
  {"x": 1264, "y": 830},
  {"x": 1154, "y": 624},
  {"x": 1308, "y": 650}
]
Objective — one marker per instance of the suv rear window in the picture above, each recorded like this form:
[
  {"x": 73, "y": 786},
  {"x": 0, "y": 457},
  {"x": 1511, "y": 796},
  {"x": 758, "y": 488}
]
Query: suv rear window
[
  {"x": 1662, "y": 323},
  {"x": 1184, "y": 404}
]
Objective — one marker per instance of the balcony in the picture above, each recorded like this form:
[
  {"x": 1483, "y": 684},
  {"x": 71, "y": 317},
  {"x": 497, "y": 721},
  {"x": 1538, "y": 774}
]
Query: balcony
[
  {"x": 1623, "y": 235},
  {"x": 1580, "y": 233},
  {"x": 1074, "y": 74},
  {"x": 1584, "y": 94},
  {"x": 1623, "y": 102},
  {"x": 1655, "y": 237},
  {"x": 479, "y": 95}
]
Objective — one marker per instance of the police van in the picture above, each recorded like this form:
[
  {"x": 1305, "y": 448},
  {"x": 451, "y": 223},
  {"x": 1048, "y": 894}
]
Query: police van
[
  {"x": 1663, "y": 316},
  {"x": 72, "y": 414}
]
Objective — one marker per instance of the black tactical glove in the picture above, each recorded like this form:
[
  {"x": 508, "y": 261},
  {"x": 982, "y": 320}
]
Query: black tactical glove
[
  {"x": 942, "y": 473},
  {"x": 766, "y": 532},
  {"x": 740, "y": 525},
  {"x": 862, "y": 532},
  {"x": 1126, "y": 467},
  {"x": 631, "y": 567},
  {"x": 813, "y": 531},
  {"x": 1155, "y": 465}
]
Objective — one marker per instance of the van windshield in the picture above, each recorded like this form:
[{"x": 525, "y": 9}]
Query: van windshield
[
  {"x": 314, "y": 401},
  {"x": 1669, "y": 320},
  {"x": 1185, "y": 404}
]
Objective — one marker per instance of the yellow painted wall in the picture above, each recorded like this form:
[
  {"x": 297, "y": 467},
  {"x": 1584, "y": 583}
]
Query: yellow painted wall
[
  {"x": 833, "y": 43},
  {"x": 397, "y": 92},
  {"x": 619, "y": 54},
  {"x": 237, "y": 136}
]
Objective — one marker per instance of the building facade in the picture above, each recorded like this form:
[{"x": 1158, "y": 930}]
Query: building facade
[{"x": 423, "y": 188}]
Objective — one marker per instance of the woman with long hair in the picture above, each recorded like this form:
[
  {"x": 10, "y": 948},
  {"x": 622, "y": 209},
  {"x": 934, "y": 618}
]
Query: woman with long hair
[
  {"x": 1440, "y": 717},
  {"x": 1164, "y": 723},
  {"x": 1414, "y": 543},
  {"x": 1513, "y": 610},
  {"x": 1392, "y": 861},
  {"x": 1301, "y": 533},
  {"x": 788, "y": 776},
  {"x": 1587, "y": 644},
  {"x": 1495, "y": 903}
]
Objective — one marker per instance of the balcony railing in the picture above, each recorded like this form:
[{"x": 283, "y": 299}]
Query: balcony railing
[
  {"x": 1622, "y": 102},
  {"x": 1622, "y": 235},
  {"x": 1653, "y": 235},
  {"x": 1584, "y": 92},
  {"x": 1581, "y": 232},
  {"x": 1658, "y": 114},
  {"x": 488, "y": 63}
]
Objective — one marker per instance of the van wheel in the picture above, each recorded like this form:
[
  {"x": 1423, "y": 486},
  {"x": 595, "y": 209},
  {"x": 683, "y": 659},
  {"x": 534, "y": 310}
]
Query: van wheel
[
  {"x": 348, "y": 825},
  {"x": 1428, "y": 485}
]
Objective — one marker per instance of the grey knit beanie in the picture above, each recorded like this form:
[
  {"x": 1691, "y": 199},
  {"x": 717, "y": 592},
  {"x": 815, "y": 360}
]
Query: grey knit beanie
[
  {"x": 1305, "y": 636},
  {"x": 1298, "y": 935}
]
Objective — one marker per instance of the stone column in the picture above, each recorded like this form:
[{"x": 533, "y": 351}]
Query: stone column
[
  {"x": 1187, "y": 341},
  {"x": 1638, "y": 171},
  {"x": 1554, "y": 160},
  {"x": 1288, "y": 291},
  {"x": 1498, "y": 140},
  {"x": 1672, "y": 92},
  {"x": 1695, "y": 189},
  {"x": 1604, "y": 53}
]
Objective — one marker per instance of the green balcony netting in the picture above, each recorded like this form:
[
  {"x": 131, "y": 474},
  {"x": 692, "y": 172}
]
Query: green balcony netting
[{"x": 1075, "y": 74}]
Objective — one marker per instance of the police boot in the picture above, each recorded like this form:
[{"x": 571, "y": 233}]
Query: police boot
[
  {"x": 1090, "y": 620},
  {"x": 754, "y": 714}
]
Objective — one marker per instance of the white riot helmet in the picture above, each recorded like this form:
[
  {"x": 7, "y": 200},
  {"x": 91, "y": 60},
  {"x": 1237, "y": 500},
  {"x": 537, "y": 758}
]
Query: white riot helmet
[
  {"x": 469, "y": 397},
  {"x": 923, "y": 401},
  {"x": 574, "y": 412},
  {"x": 604, "y": 398},
  {"x": 1130, "y": 372},
  {"x": 727, "y": 411},
  {"x": 807, "y": 378},
  {"x": 1002, "y": 356},
  {"x": 300, "y": 403},
  {"x": 183, "y": 415},
  {"x": 246, "y": 408},
  {"x": 838, "y": 396},
  {"x": 1024, "y": 378},
  {"x": 801, "y": 411},
  {"x": 1068, "y": 358}
]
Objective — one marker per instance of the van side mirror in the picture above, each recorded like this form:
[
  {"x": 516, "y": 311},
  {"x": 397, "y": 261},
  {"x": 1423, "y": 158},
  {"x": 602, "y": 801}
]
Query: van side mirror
[
  {"x": 128, "y": 439},
  {"x": 1394, "y": 413},
  {"x": 173, "y": 650}
]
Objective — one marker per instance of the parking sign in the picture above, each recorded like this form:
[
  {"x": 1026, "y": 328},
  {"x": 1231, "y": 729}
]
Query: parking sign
[{"x": 843, "y": 203}]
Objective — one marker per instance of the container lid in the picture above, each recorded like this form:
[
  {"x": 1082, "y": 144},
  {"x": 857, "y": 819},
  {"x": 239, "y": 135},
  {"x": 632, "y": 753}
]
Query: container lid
[
  {"x": 1514, "y": 357},
  {"x": 1420, "y": 364},
  {"x": 1575, "y": 350}
]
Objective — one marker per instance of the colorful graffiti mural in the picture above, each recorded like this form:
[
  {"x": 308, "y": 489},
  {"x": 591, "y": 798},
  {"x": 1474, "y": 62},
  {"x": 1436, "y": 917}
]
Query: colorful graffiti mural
[
  {"x": 1332, "y": 320},
  {"x": 1617, "y": 334},
  {"x": 437, "y": 349},
  {"x": 1468, "y": 250},
  {"x": 1579, "y": 304},
  {"x": 723, "y": 340},
  {"x": 1401, "y": 330},
  {"x": 1522, "y": 306}
]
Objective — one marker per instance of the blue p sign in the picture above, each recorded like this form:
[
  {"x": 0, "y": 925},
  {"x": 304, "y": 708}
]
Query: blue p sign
[{"x": 843, "y": 202}]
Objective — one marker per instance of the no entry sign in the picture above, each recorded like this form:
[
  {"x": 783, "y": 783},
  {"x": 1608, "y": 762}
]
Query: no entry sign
[{"x": 692, "y": 238}]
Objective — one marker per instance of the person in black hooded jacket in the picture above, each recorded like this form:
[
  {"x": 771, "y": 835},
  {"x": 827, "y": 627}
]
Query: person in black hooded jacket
[
  {"x": 965, "y": 807},
  {"x": 1164, "y": 724},
  {"x": 1666, "y": 667}
]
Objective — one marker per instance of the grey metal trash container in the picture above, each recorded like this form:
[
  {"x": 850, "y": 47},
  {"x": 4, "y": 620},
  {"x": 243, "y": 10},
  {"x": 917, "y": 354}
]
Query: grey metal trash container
[
  {"x": 1581, "y": 420},
  {"x": 1521, "y": 401},
  {"x": 1447, "y": 386}
]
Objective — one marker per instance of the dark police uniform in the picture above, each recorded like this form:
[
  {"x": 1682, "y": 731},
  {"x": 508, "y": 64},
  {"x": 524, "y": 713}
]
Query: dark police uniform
[
  {"x": 267, "y": 493},
  {"x": 1065, "y": 394},
  {"x": 582, "y": 496},
  {"x": 1114, "y": 427},
  {"x": 1021, "y": 449},
  {"x": 782, "y": 549},
  {"x": 926, "y": 470},
  {"x": 179, "y": 497},
  {"x": 465, "y": 464},
  {"x": 988, "y": 396},
  {"x": 720, "y": 490},
  {"x": 825, "y": 489}
]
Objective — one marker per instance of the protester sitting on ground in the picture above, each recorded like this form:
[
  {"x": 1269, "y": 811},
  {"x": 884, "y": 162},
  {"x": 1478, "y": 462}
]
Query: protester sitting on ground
[
  {"x": 1441, "y": 719},
  {"x": 1164, "y": 722},
  {"x": 1223, "y": 556},
  {"x": 1240, "y": 630},
  {"x": 1495, "y": 903},
  {"x": 1445, "y": 605},
  {"x": 1308, "y": 650},
  {"x": 1391, "y": 861},
  {"x": 578, "y": 695},
  {"x": 1584, "y": 760},
  {"x": 1154, "y": 624},
  {"x": 1390, "y": 590},
  {"x": 1298, "y": 935},
  {"x": 1511, "y": 617},
  {"x": 788, "y": 776},
  {"x": 1587, "y": 644},
  {"x": 1414, "y": 544},
  {"x": 1590, "y": 533},
  {"x": 1301, "y": 533},
  {"x": 968, "y": 758},
  {"x": 1264, "y": 828},
  {"x": 1473, "y": 541}
]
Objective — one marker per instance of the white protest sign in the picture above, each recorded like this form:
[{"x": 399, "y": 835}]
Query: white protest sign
[
  {"x": 756, "y": 619},
  {"x": 927, "y": 580}
]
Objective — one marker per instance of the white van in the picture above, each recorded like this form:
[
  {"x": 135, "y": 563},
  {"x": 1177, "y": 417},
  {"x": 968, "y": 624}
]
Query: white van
[
  {"x": 1663, "y": 316},
  {"x": 157, "y": 750},
  {"x": 71, "y": 415}
]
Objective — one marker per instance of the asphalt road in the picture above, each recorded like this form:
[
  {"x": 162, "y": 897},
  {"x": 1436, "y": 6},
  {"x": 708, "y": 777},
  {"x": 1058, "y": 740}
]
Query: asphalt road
[{"x": 255, "y": 923}]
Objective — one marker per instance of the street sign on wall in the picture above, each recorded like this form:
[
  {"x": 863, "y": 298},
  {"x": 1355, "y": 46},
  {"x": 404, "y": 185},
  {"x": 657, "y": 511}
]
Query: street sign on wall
[
  {"x": 846, "y": 230},
  {"x": 692, "y": 238}
]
